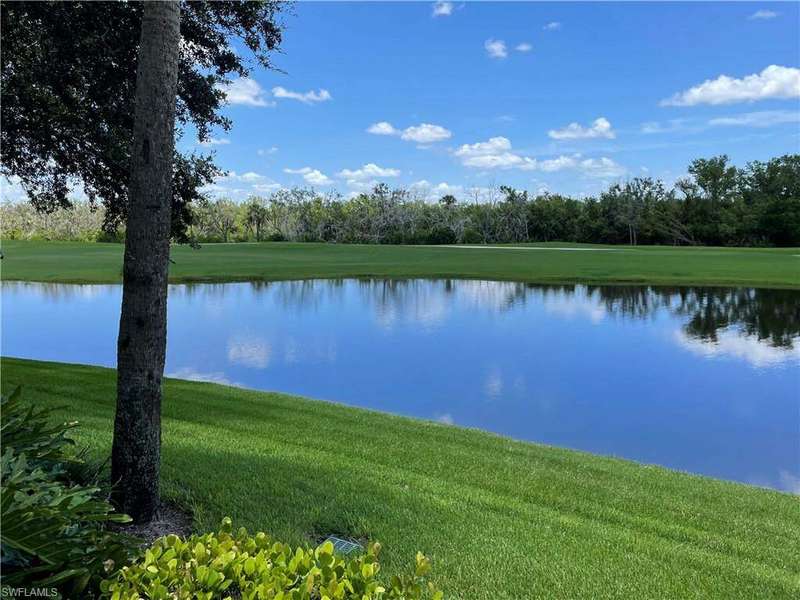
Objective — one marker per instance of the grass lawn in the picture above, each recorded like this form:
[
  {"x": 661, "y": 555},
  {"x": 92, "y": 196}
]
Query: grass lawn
[
  {"x": 501, "y": 519},
  {"x": 87, "y": 262}
]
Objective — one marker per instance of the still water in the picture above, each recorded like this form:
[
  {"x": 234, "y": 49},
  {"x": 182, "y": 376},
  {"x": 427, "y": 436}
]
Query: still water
[{"x": 699, "y": 379}]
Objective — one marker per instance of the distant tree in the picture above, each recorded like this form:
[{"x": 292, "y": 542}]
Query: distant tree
[
  {"x": 590, "y": 224},
  {"x": 20, "y": 220},
  {"x": 772, "y": 195},
  {"x": 223, "y": 216},
  {"x": 448, "y": 200},
  {"x": 514, "y": 214},
  {"x": 710, "y": 191},
  {"x": 717, "y": 179},
  {"x": 639, "y": 197},
  {"x": 483, "y": 221},
  {"x": 256, "y": 217}
]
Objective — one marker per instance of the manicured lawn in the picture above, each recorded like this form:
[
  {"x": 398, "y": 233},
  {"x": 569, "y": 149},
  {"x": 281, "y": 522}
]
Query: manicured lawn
[
  {"x": 502, "y": 519},
  {"x": 86, "y": 262}
]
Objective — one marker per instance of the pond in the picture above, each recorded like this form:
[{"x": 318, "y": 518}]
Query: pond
[{"x": 705, "y": 380}]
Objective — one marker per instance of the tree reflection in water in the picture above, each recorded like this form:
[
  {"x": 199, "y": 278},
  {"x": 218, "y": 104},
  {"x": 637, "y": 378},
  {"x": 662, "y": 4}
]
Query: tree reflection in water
[{"x": 769, "y": 315}]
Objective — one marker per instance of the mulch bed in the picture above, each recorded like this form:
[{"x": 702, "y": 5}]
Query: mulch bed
[{"x": 169, "y": 519}]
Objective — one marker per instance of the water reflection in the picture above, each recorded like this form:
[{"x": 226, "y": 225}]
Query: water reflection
[
  {"x": 766, "y": 322},
  {"x": 701, "y": 379},
  {"x": 768, "y": 315},
  {"x": 249, "y": 351}
]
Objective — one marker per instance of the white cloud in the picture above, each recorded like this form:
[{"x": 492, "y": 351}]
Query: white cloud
[
  {"x": 247, "y": 177},
  {"x": 493, "y": 146},
  {"x": 670, "y": 126},
  {"x": 580, "y": 304},
  {"x": 763, "y": 15},
  {"x": 496, "y": 48},
  {"x": 493, "y": 384},
  {"x": 497, "y": 153},
  {"x": 789, "y": 482},
  {"x": 245, "y": 91},
  {"x": 264, "y": 152},
  {"x": 369, "y": 171},
  {"x": 432, "y": 193},
  {"x": 267, "y": 187},
  {"x": 305, "y": 97},
  {"x": 652, "y": 127},
  {"x": 552, "y": 26},
  {"x": 764, "y": 118},
  {"x": 601, "y": 167},
  {"x": 249, "y": 351},
  {"x": 218, "y": 191},
  {"x": 600, "y": 128},
  {"x": 733, "y": 344},
  {"x": 367, "y": 176},
  {"x": 445, "y": 418},
  {"x": 773, "y": 82},
  {"x": 238, "y": 186},
  {"x": 559, "y": 163},
  {"x": 442, "y": 8},
  {"x": 424, "y": 133},
  {"x": 523, "y": 47},
  {"x": 383, "y": 128},
  {"x": 311, "y": 176},
  {"x": 316, "y": 177},
  {"x": 212, "y": 141},
  {"x": 191, "y": 374},
  {"x": 590, "y": 167}
]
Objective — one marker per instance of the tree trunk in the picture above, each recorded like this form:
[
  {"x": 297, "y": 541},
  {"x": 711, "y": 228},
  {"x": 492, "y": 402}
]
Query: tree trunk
[{"x": 141, "y": 345}]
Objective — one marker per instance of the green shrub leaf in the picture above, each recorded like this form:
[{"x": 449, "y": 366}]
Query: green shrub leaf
[{"x": 205, "y": 566}]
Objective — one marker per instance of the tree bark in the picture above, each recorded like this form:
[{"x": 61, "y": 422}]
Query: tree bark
[{"x": 141, "y": 345}]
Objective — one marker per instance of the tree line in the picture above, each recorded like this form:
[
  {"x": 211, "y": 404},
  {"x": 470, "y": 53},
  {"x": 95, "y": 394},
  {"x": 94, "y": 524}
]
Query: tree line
[{"x": 718, "y": 204}]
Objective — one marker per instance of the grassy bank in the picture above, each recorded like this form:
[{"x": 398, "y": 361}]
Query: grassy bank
[
  {"x": 502, "y": 519},
  {"x": 86, "y": 262}
]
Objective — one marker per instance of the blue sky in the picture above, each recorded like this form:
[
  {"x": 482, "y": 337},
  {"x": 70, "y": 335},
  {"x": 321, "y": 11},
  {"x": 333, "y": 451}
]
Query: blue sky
[
  {"x": 501, "y": 83},
  {"x": 485, "y": 93}
]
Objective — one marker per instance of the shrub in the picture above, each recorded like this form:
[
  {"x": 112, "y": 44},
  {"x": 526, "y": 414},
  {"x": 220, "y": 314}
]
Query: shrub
[
  {"x": 26, "y": 431},
  {"x": 441, "y": 235},
  {"x": 227, "y": 564},
  {"x": 472, "y": 236},
  {"x": 53, "y": 532}
]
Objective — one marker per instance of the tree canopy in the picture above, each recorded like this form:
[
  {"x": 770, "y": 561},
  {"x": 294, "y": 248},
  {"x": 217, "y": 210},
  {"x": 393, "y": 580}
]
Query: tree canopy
[{"x": 68, "y": 78}]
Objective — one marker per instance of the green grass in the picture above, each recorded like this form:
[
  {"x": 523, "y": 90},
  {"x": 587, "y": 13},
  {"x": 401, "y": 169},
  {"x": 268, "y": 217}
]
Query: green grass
[
  {"x": 87, "y": 262},
  {"x": 502, "y": 519}
]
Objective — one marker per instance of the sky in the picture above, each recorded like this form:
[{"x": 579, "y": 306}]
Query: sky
[{"x": 452, "y": 97}]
